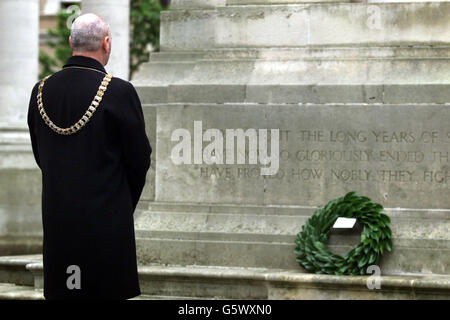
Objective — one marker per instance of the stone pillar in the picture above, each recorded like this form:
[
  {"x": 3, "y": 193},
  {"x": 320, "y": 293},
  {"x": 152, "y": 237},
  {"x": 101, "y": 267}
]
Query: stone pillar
[
  {"x": 20, "y": 178},
  {"x": 117, "y": 14},
  {"x": 19, "y": 27}
]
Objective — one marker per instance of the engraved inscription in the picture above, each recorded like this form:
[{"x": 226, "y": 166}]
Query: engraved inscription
[{"x": 303, "y": 158}]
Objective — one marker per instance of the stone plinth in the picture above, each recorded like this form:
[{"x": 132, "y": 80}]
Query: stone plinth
[{"x": 359, "y": 94}]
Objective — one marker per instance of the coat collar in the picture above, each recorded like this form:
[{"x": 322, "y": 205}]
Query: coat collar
[{"x": 82, "y": 61}]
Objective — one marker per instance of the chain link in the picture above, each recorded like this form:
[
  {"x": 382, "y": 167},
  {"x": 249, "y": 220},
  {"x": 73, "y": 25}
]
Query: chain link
[{"x": 84, "y": 119}]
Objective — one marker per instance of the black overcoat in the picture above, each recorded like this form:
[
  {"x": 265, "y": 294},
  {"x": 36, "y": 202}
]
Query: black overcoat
[{"x": 91, "y": 182}]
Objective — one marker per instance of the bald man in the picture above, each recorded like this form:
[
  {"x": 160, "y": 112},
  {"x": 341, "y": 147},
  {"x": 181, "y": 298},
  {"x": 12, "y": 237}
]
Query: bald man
[{"x": 88, "y": 137}]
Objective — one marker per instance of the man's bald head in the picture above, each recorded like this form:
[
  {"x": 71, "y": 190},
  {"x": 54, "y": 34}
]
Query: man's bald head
[{"x": 88, "y": 32}]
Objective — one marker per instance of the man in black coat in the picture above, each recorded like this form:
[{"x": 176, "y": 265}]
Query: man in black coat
[{"x": 88, "y": 137}]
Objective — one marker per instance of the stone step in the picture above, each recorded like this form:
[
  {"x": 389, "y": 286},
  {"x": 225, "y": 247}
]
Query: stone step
[
  {"x": 282, "y": 222},
  {"x": 10, "y": 291},
  {"x": 276, "y": 224},
  {"x": 215, "y": 3},
  {"x": 259, "y": 236},
  {"x": 413, "y": 256},
  {"x": 326, "y": 43},
  {"x": 305, "y": 53},
  {"x": 11, "y": 135},
  {"x": 336, "y": 240},
  {"x": 295, "y": 210},
  {"x": 167, "y": 72},
  {"x": 287, "y": 25},
  {"x": 21, "y": 278},
  {"x": 371, "y": 74},
  {"x": 13, "y": 269},
  {"x": 294, "y": 93},
  {"x": 186, "y": 282},
  {"x": 252, "y": 283},
  {"x": 417, "y": 70}
]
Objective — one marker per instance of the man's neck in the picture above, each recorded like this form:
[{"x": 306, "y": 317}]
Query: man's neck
[{"x": 93, "y": 55}]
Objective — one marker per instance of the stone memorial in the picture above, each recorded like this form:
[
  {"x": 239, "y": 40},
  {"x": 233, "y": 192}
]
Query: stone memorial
[{"x": 262, "y": 111}]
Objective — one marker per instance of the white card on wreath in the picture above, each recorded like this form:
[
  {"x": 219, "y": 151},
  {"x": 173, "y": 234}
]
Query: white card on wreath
[{"x": 344, "y": 223}]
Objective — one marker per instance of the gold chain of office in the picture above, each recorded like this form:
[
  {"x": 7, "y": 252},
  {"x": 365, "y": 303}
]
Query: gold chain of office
[{"x": 84, "y": 119}]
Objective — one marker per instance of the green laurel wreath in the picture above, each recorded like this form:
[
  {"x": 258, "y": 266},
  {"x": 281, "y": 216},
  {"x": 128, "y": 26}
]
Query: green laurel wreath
[{"x": 312, "y": 253}]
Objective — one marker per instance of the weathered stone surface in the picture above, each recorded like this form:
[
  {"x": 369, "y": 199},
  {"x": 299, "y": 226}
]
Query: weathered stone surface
[
  {"x": 20, "y": 194},
  {"x": 189, "y": 4},
  {"x": 15, "y": 292},
  {"x": 355, "y": 90},
  {"x": 426, "y": 64},
  {"x": 294, "y": 94},
  {"x": 326, "y": 97},
  {"x": 263, "y": 236},
  {"x": 325, "y": 151},
  {"x": 306, "y": 25},
  {"x": 171, "y": 281},
  {"x": 13, "y": 269},
  {"x": 184, "y": 4}
]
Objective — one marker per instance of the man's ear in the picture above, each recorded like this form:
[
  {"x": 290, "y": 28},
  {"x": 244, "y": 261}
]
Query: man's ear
[
  {"x": 70, "y": 43},
  {"x": 106, "y": 43}
]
